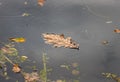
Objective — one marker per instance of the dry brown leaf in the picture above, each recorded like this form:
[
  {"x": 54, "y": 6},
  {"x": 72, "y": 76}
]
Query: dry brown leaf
[
  {"x": 117, "y": 30},
  {"x": 8, "y": 49},
  {"x": 41, "y": 2},
  {"x": 16, "y": 68},
  {"x": 31, "y": 77},
  {"x": 58, "y": 40}
]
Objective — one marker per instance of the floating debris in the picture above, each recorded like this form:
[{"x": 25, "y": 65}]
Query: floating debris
[
  {"x": 16, "y": 68},
  {"x": 112, "y": 76},
  {"x": 25, "y": 14},
  {"x": 31, "y": 77},
  {"x": 6, "y": 50},
  {"x": 58, "y": 40},
  {"x": 9, "y": 49},
  {"x": 23, "y": 58},
  {"x": 107, "y": 75},
  {"x": 117, "y": 30},
  {"x": 65, "y": 66},
  {"x": 41, "y": 2},
  {"x": 18, "y": 40},
  {"x": 108, "y": 22},
  {"x": 105, "y": 42},
  {"x": 75, "y": 64},
  {"x": 75, "y": 72}
]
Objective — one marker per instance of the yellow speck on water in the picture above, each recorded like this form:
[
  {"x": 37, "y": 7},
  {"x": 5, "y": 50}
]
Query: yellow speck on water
[
  {"x": 24, "y": 57},
  {"x": 25, "y": 14},
  {"x": 18, "y": 40}
]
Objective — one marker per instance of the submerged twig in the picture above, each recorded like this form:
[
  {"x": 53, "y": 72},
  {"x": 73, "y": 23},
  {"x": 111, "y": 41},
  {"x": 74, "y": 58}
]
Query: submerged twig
[
  {"x": 9, "y": 60},
  {"x": 45, "y": 67}
]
